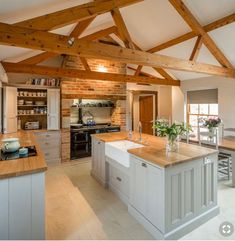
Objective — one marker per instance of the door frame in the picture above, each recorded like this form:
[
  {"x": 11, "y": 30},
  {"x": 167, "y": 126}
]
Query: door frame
[{"x": 144, "y": 93}]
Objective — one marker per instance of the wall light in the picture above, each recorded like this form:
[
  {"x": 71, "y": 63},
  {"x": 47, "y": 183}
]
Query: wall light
[{"x": 101, "y": 68}]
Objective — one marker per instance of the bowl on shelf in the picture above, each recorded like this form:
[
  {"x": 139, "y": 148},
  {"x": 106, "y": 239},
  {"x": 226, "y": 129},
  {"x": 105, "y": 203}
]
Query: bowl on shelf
[
  {"x": 39, "y": 102},
  {"x": 20, "y": 102},
  {"x": 29, "y": 102}
]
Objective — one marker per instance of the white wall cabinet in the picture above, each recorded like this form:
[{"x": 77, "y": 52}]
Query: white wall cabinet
[
  {"x": 53, "y": 109},
  {"x": 10, "y": 109},
  {"x": 99, "y": 169},
  {"x": 22, "y": 209}
]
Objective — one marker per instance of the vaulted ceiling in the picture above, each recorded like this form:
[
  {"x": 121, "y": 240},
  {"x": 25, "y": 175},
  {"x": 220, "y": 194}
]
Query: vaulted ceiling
[{"x": 149, "y": 23}]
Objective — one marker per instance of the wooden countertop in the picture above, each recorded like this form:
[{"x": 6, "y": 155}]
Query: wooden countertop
[
  {"x": 23, "y": 166},
  {"x": 154, "y": 149}
]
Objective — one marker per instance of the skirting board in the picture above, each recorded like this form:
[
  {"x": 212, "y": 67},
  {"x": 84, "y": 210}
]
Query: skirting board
[{"x": 178, "y": 232}]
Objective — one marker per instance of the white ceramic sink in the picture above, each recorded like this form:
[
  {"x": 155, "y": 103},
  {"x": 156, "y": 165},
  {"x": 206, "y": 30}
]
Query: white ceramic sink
[{"x": 117, "y": 150}]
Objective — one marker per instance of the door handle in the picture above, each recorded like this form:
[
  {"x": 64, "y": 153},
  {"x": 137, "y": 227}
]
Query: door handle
[
  {"x": 144, "y": 164},
  {"x": 119, "y": 179}
]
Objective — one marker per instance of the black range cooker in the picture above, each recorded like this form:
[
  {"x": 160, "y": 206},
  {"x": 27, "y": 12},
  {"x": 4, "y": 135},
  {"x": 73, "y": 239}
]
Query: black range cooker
[{"x": 81, "y": 138}]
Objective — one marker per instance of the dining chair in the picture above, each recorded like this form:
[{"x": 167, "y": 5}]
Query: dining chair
[{"x": 211, "y": 140}]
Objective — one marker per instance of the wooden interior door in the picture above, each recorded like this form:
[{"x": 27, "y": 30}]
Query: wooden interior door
[{"x": 146, "y": 113}]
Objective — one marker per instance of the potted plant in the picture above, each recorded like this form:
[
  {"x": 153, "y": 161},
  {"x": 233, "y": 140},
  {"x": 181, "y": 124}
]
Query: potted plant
[
  {"x": 212, "y": 123},
  {"x": 172, "y": 132}
]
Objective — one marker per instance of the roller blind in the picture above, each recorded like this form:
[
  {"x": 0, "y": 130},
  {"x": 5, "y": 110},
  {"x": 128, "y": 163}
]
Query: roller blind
[{"x": 203, "y": 96}]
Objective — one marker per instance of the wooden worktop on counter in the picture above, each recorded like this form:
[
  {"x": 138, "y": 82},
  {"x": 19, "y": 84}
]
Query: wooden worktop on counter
[
  {"x": 154, "y": 149},
  {"x": 23, "y": 166}
]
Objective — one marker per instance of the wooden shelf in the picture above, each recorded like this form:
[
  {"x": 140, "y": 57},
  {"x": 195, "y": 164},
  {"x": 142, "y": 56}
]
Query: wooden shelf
[
  {"x": 31, "y": 114},
  {"x": 37, "y": 87},
  {"x": 32, "y": 96},
  {"x": 93, "y": 107},
  {"x": 32, "y": 105}
]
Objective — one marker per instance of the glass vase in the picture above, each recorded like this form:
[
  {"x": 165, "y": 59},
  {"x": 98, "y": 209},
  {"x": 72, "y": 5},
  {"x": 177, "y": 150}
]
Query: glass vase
[{"x": 172, "y": 144}]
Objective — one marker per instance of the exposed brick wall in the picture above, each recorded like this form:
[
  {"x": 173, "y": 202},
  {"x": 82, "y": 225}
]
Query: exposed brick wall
[{"x": 74, "y": 88}]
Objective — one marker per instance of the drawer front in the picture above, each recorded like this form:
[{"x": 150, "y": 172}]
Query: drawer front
[
  {"x": 47, "y": 143},
  {"x": 50, "y": 135},
  {"x": 119, "y": 180},
  {"x": 52, "y": 153}
]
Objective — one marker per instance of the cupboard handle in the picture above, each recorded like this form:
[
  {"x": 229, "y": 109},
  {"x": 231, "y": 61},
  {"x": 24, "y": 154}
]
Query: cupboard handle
[
  {"x": 144, "y": 164},
  {"x": 99, "y": 142},
  {"x": 119, "y": 179}
]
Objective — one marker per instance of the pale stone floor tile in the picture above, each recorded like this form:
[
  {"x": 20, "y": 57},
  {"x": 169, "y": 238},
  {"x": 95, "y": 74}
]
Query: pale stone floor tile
[{"x": 78, "y": 207}]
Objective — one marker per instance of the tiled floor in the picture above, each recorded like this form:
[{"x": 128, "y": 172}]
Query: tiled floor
[{"x": 77, "y": 207}]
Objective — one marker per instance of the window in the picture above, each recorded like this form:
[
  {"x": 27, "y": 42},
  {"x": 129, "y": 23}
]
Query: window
[{"x": 197, "y": 112}]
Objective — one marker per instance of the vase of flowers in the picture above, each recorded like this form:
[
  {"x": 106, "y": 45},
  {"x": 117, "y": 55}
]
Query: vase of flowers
[
  {"x": 172, "y": 132},
  {"x": 212, "y": 124}
]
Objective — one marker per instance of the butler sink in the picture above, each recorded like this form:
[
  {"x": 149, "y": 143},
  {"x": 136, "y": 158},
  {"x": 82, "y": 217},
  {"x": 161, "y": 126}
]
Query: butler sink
[{"x": 117, "y": 150}]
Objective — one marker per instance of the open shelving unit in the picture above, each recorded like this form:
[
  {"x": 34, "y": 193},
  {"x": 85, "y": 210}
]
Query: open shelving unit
[{"x": 32, "y": 93}]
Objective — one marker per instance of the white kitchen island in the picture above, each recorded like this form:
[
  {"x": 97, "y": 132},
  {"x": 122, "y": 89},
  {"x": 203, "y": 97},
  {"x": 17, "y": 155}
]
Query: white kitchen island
[{"x": 170, "y": 195}]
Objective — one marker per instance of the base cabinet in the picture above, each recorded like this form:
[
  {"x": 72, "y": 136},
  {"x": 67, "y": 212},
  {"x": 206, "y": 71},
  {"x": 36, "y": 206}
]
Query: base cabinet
[
  {"x": 172, "y": 201},
  {"x": 98, "y": 168},
  {"x": 22, "y": 209},
  {"x": 147, "y": 191},
  {"x": 118, "y": 180},
  {"x": 50, "y": 143}
]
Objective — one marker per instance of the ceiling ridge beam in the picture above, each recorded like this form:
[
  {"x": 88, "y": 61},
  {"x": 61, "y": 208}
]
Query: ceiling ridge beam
[
  {"x": 71, "y": 15},
  {"x": 75, "y": 73},
  {"x": 189, "y": 18},
  {"x": 41, "y": 40},
  {"x": 209, "y": 27}
]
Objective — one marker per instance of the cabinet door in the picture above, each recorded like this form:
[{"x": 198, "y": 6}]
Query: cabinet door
[
  {"x": 155, "y": 196},
  {"x": 98, "y": 160},
  {"x": 10, "y": 110},
  {"x": 53, "y": 109},
  {"x": 138, "y": 172}
]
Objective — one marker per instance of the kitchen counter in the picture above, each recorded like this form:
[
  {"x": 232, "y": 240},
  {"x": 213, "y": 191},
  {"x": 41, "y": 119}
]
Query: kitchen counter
[
  {"x": 170, "y": 194},
  {"x": 23, "y": 166},
  {"x": 154, "y": 149}
]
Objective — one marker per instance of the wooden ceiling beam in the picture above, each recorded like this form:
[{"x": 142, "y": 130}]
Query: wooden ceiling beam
[
  {"x": 38, "y": 58},
  {"x": 71, "y": 15},
  {"x": 142, "y": 73},
  {"x": 41, "y": 40},
  {"x": 81, "y": 27},
  {"x": 74, "y": 73},
  {"x": 85, "y": 64},
  {"x": 209, "y": 27},
  {"x": 196, "y": 49},
  {"x": 163, "y": 73},
  {"x": 196, "y": 26},
  {"x": 100, "y": 34},
  {"x": 122, "y": 29},
  {"x": 46, "y": 55},
  {"x": 138, "y": 70}
]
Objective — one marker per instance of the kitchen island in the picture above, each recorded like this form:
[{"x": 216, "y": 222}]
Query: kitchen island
[
  {"x": 22, "y": 192},
  {"x": 170, "y": 194}
]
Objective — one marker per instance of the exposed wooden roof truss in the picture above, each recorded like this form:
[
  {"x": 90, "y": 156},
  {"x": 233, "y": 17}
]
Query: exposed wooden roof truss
[{"x": 33, "y": 33}]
